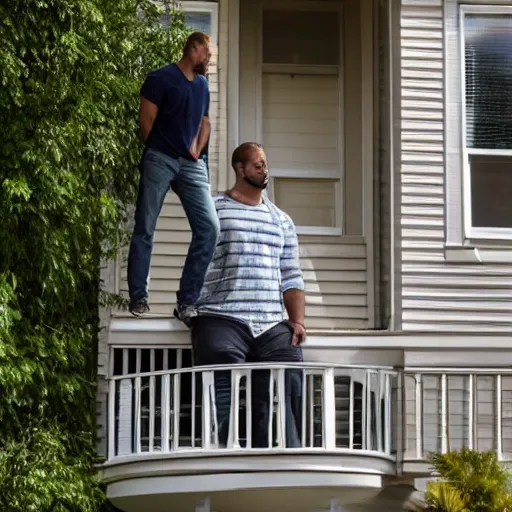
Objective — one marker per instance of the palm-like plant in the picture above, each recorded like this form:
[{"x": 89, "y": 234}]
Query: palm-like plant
[
  {"x": 472, "y": 481},
  {"x": 444, "y": 497}
]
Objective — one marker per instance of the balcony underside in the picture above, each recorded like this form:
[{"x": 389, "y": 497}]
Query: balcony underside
[{"x": 249, "y": 482}]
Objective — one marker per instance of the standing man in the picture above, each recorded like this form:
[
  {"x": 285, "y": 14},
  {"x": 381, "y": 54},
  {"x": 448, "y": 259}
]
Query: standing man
[
  {"x": 253, "y": 278},
  {"x": 174, "y": 124}
]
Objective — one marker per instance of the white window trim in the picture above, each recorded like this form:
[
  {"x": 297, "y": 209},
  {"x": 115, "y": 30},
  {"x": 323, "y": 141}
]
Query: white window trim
[
  {"x": 465, "y": 243},
  {"x": 205, "y": 7},
  {"x": 337, "y": 175}
]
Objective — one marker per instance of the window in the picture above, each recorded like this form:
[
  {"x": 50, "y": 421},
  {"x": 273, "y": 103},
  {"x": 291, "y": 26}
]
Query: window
[
  {"x": 301, "y": 114},
  {"x": 200, "y": 16},
  {"x": 486, "y": 76}
]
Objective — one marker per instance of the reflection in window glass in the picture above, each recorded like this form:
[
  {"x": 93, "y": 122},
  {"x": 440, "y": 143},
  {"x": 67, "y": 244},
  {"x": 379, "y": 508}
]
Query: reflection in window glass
[
  {"x": 199, "y": 21},
  {"x": 309, "y": 202},
  {"x": 301, "y": 37},
  {"x": 491, "y": 188}
]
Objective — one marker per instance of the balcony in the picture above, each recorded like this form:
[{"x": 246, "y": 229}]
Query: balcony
[{"x": 167, "y": 451}]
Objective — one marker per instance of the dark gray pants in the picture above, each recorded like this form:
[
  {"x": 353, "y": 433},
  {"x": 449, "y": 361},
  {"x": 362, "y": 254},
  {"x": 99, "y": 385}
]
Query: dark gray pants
[{"x": 219, "y": 340}]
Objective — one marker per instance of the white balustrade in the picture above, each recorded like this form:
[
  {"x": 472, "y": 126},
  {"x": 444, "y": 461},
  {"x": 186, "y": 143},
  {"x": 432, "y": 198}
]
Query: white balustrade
[
  {"x": 175, "y": 411},
  {"x": 454, "y": 408}
]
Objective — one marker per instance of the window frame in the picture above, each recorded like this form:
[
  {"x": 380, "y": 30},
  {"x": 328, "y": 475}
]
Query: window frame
[
  {"x": 476, "y": 233},
  {"x": 212, "y": 8},
  {"x": 311, "y": 69},
  {"x": 464, "y": 244}
]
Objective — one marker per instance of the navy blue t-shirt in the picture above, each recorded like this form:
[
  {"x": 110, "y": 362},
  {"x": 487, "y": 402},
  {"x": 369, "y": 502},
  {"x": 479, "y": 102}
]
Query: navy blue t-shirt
[{"x": 181, "y": 106}]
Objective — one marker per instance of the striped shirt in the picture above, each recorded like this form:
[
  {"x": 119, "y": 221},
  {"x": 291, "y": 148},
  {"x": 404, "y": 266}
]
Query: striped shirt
[{"x": 255, "y": 261}]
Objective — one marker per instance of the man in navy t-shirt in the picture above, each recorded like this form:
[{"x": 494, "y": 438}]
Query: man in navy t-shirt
[{"x": 174, "y": 123}]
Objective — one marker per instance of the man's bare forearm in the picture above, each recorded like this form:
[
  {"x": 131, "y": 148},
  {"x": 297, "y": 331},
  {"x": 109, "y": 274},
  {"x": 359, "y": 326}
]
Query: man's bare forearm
[
  {"x": 147, "y": 115},
  {"x": 295, "y": 304},
  {"x": 145, "y": 130},
  {"x": 204, "y": 134}
]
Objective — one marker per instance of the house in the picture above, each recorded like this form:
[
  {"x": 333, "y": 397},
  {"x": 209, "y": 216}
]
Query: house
[{"x": 388, "y": 128}]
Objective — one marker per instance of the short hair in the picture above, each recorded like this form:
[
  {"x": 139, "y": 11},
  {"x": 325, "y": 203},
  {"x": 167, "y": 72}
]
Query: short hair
[
  {"x": 194, "y": 39},
  {"x": 242, "y": 152}
]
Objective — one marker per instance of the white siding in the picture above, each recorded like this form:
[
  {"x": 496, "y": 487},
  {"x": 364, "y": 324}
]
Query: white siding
[
  {"x": 335, "y": 280},
  {"x": 436, "y": 295}
]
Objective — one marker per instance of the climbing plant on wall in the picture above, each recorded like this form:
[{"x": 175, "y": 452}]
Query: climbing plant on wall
[{"x": 70, "y": 73}]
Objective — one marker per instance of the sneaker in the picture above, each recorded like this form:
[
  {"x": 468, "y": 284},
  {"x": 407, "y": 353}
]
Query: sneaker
[
  {"x": 185, "y": 313},
  {"x": 138, "y": 307}
]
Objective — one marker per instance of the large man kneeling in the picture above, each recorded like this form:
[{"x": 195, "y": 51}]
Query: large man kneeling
[{"x": 253, "y": 278}]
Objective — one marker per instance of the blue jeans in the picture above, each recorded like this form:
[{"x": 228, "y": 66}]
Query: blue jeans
[
  {"x": 189, "y": 180},
  {"x": 218, "y": 340}
]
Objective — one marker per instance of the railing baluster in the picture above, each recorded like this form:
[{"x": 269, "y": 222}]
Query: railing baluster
[
  {"x": 152, "y": 401},
  {"x": 419, "y": 415},
  {"x": 193, "y": 411},
  {"x": 166, "y": 411},
  {"x": 499, "y": 448},
  {"x": 444, "y": 415},
  {"x": 303, "y": 409},
  {"x": 270, "y": 408},
  {"x": 112, "y": 419},
  {"x": 378, "y": 411},
  {"x": 176, "y": 394},
  {"x": 351, "y": 405},
  {"x": 328, "y": 408},
  {"x": 387, "y": 415},
  {"x": 311, "y": 379},
  {"x": 165, "y": 406},
  {"x": 248, "y": 409},
  {"x": 281, "y": 409},
  {"x": 207, "y": 381},
  {"x": 137, "y": 415},
  {"x": 234, "y": 412},
  {"x": 364, "y": 410},
  {"x": 471, "y": 412},
  {"x": 368, "y": 411}
]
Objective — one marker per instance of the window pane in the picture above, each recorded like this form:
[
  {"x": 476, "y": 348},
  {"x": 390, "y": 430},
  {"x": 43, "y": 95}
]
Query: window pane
[
  {"x": 308, "y": 202},
  {"x": 488, "y": 80},
  {"x": 199, "y": 21},
  {"x": 301, "y": 37},
  {"x": 491, "y": 187},
  {"x": 300, "y": 121}
]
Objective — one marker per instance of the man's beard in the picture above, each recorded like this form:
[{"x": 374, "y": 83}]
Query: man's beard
[
  {"x": 261, "y": 186},
  {"x": 200, "y": 68}
]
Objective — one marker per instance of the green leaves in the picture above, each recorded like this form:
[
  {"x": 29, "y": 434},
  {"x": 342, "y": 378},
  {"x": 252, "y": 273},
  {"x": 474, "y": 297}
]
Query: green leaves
[
  {"x": 70, "y": 75},
  {"x": 480, "y": 481}
]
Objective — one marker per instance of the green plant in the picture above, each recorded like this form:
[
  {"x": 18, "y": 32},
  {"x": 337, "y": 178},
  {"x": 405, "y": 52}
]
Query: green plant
[
  {"x": 70, "y": 74},
  {"x": 476, "y": 480},
  {"x": 444, "y": 497}
]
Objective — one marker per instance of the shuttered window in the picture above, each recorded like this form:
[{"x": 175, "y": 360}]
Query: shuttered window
[{"x": 487, "y": 134}]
